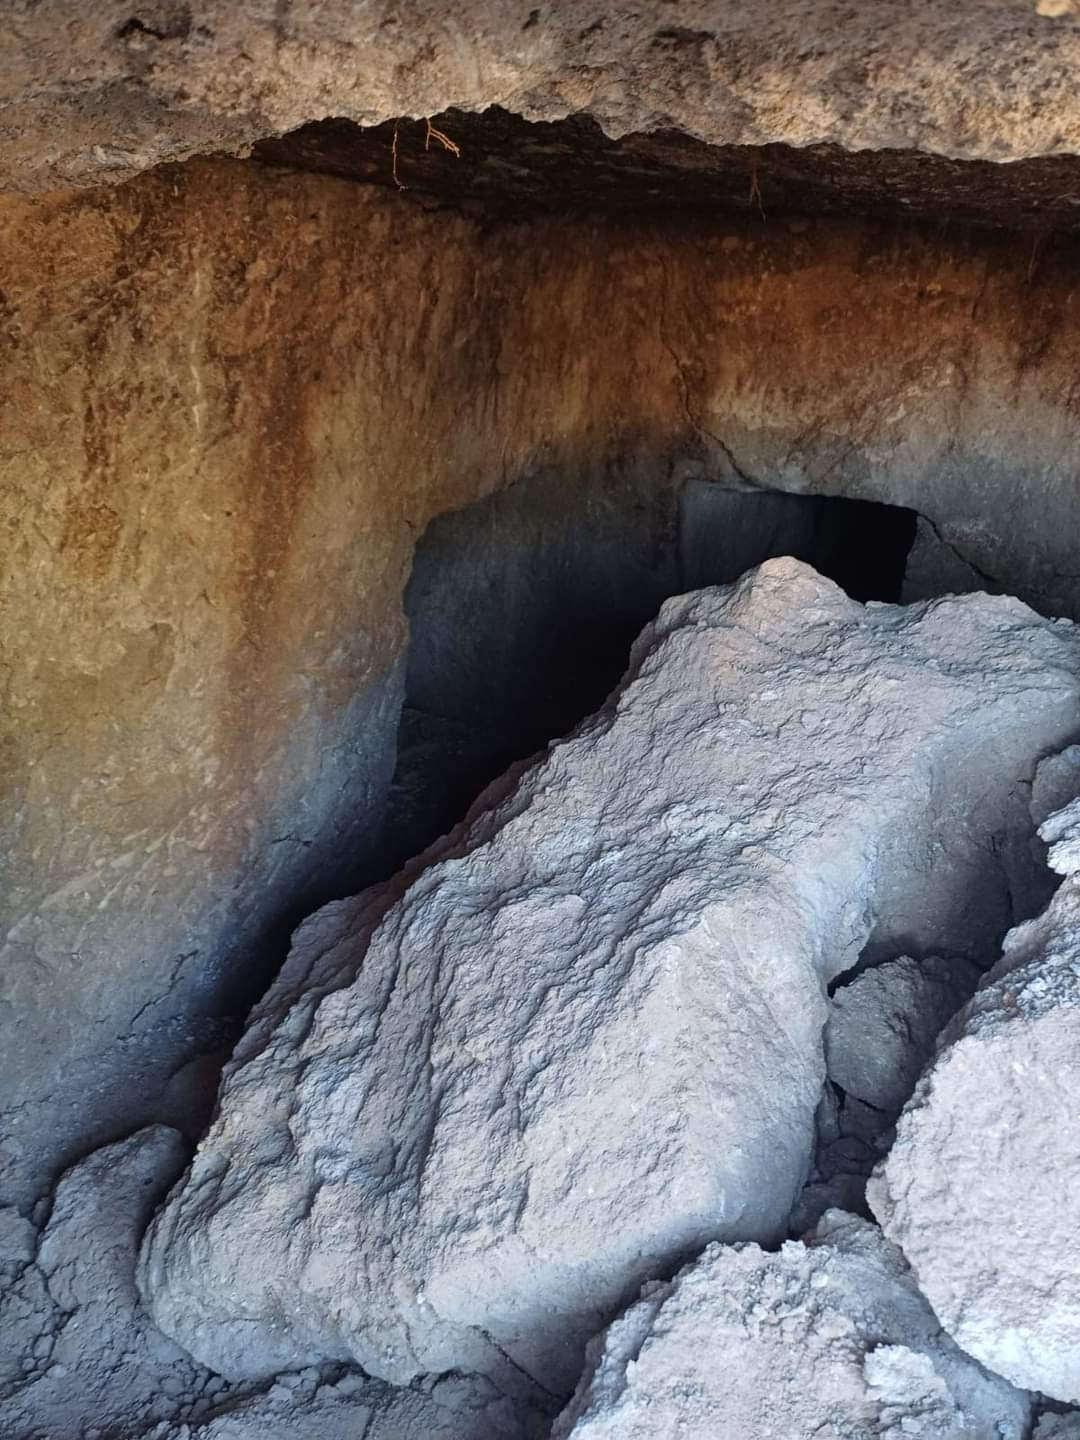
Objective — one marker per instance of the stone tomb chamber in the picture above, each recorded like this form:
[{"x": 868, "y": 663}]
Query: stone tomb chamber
[{"x": 540, "y": 726}]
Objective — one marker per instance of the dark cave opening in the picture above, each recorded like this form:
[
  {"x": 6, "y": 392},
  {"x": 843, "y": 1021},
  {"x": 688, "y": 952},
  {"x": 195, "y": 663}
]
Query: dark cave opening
[{"x": 523, "y": 607}]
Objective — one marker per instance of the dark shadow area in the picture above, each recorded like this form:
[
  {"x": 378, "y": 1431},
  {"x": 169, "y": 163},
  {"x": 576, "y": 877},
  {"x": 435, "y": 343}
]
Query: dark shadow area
[
  {"x": 522, "y": 610},
  {"x": 499, "y": 166}
]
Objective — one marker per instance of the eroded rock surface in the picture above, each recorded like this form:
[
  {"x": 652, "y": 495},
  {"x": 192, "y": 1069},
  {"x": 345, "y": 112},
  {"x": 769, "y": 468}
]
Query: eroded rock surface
[
  {"x": 307, "y": 1407},
  {"x": 880, "y": 1032},
  {"x": 86, "y": 95},
  {"x": 1055, "y": 785},
  {"x": 212, "y": 481},
  {"x": 1058, "y": 1427},
  {"x": 26, "y": 1309},
  {"x": 78, "y": 1353},
  {"x": 583, "y": 1036},
  {"x": 982, "y": 1187},
  {"x": 830, "y": 1337}
]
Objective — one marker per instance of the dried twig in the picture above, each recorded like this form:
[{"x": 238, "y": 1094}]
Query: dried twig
[
  {"x": 755, "y": 190},
  {"x": 444, "y": 140},
  {"x": 431, "y": 133},
  {"x": 394, "y": 157},
  {"x": 1036, "y": 242}
]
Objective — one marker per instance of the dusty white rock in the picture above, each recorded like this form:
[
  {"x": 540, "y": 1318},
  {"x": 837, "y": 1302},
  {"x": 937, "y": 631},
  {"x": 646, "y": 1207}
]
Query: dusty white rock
[
  {"x": 79, "y": 1356},
  {"x": 1061, "y": 831},
  {"x": 882, "y": 1026},
  {"x": 826, "y": 1338},
  {"x": 982, "y": 1187},
  {"x": 582, "y": 1038}
]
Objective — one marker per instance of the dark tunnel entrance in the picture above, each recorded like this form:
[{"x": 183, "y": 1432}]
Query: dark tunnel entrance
[{"x": 522, "y": 609}]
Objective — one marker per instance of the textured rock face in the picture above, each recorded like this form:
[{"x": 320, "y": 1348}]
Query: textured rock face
[
  {"x": 192, "y": 729},
  {"x": 95, "y": 94},
  {"x": 880, "y": 1032},
  {"x": 487, "y": 686},
  {"x": 305, "y": 1407},
  {"x": 830, "y": 1337},
  {"x": 488, "y": 1101},
  {"x": 981, "y": 1187},
  {"x": 25, "y": 1306},
  {"x": 77, "y": 1351},
  {"x": 80, "y": 1357},
  {"x": 1054, "y": 787},
  {"x": 1058, "y": 1427}
]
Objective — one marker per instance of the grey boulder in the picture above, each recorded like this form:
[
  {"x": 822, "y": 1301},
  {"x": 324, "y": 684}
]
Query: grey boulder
[
  {"x": 77, "y": 1351},
  {"x": 825, "y": 1338},
  {"x": 581, "y": 1037},
  {"x": 982, "y": 1187},
  {"x": 1058, "y": 1427}
]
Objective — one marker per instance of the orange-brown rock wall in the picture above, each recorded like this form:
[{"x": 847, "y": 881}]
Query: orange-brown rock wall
[{"x": 232, "y": 397}]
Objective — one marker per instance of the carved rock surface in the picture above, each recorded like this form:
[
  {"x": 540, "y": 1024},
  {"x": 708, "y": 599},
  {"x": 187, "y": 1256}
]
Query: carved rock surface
[
  {"x": 982, "y": 1187},
  {"x": 98, "y": 93},
  {"x": 830, "y": 1337},
  {"x": 212, "y": 481},
  {"x": 583, "y": 1036}
]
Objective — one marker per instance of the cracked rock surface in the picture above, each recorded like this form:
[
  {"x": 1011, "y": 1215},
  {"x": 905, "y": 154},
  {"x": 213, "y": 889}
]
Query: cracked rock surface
[
  {"x": 582, "y": 1036},
  {"x": 880, "y": 1032},
  {"x": 356, "y": 1408},
  {"x": 78, "y": 1355},
  {"x": 81, "y": 1360},
  {"x": 982, "y": 1187},
  {"x": 241, "y": 794},
  {"x": 826, "y": 1338}
]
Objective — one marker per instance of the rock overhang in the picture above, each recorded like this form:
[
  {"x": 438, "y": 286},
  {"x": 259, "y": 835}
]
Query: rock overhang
[{"x": 968, "y": 108}]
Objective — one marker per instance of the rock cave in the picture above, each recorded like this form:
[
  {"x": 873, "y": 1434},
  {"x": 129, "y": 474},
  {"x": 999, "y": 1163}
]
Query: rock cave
[{"x": 541, "y": 720}]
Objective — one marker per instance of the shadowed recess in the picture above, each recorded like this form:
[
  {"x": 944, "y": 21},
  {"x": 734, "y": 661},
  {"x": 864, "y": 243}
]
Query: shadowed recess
[
  {"x": 522, "y": 609},
  {"x": 501, "y": 166}
]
